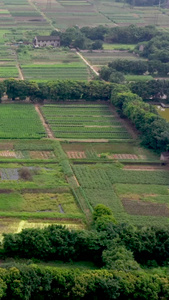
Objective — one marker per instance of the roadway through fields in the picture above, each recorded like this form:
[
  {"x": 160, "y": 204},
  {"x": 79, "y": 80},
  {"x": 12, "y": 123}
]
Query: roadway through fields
[
  {"x": 20, "y": 71},
  {"x": 47, "y": 128},
  {"x": 87, "y": 63}
]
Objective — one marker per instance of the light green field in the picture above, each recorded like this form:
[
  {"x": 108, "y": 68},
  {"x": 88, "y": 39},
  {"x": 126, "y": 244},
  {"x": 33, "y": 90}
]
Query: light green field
[
  {"x": 138, "y": 77},
  {"x": 83, "y": 122},
  {"x": 164, "y": 112},
  {"x": 20, "y": 121},
  {"x": 118, "y": 46},
  {"x": 139, "y": 197},
  {"x": 77, "y": 71}
]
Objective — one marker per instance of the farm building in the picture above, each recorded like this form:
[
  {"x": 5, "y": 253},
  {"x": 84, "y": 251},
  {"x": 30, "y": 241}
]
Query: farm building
[
  {"x": 165, "y": 156},
  {"x": 44, "y": 41}
]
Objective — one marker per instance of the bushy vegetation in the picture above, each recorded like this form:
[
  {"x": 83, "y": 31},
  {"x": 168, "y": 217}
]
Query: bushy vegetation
[
  {"x": 57, "y": 90},
  {"x": 144, "y": 116}
]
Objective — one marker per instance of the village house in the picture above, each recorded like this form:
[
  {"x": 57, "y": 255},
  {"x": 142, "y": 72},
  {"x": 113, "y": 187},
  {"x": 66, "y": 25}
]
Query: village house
[
  {"x": 165, "y": 157},
  {"x": 44, "y": 41}
]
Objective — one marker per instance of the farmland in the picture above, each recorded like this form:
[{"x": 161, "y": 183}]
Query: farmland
[
  {"x": 20, "y": 121},
  {"x": 138, "y": 197},
  {"x": 59, "y": 71},
  {"x": 101, "y": 58},
  {"x": 44, "y": 194},
  {"x": 49, "y": 64},
  {"x": 42, "y": 182},
  {"x": 83, "y": 122},
  {"x": 92, "y": 155}
]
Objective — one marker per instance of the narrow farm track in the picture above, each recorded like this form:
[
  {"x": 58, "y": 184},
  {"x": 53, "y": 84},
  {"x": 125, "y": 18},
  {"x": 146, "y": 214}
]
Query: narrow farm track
[
  {"x": 87, "y": 63},
  {"x": 20, "y": 72},
  {"x": 47, "y": 128}
]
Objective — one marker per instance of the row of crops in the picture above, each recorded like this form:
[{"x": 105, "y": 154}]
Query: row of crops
[
  {"x": 104, "y": 176},
  {"x": 102, "y": 58},
  {"x": 20, "y": 121},
  {"x": 104, "y": 183},
  {"x": 7, "y": 71},
  {"x": 48, "y": 72},
  {"x": 83, "y": 121}
]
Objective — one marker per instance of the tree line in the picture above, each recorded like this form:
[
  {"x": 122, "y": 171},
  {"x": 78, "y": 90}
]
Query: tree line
[
  {"x": 154, "y": 90},
  {"x": 138, "y": 67},
  {"x": 102, "y": 244},
  {"x": 58, "y": 90},
  {"x": 33, "y": 282},
  {"x": 92, "y": 38},
  {"x": 154, "y": 129},
  {"x": 118, "y": 250}
]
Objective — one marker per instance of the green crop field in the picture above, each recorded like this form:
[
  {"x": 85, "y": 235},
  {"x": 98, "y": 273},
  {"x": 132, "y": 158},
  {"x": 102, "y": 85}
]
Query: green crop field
[
  {"x": 138, "y": 77},
  {"x": 59, "y": 71},
  {"x": 138, "y": 197},
  {"x": 102, "y": 58},
  {"x": 118, "y": 46},
  {"x": 45, "y": 194},
  {"x": 8, "y": 71},
  {"x": 20, "y": 121},
  {"x": 48, "y": 55},
  {"x": 83, "y": 122}
]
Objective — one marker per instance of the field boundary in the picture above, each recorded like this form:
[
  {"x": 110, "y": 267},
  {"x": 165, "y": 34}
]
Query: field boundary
[
  {"x": 48, "y": 131},
  {"x": 87, "y": 63}
]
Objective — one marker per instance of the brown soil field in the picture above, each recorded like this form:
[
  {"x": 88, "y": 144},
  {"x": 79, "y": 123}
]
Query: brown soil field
[
  {"x": 7, "y": 153},
  {"x": 145, "y": 167},
  {"x": 136, "y": 207},
  {"x": 76, "y": 154},
  {"x": 6, "y": 146},
  {"x": 41, "y": 154}
]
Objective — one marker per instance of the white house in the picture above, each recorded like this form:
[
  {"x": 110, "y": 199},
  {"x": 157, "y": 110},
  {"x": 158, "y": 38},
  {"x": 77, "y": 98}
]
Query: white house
[{"x": 44, "y": 41}]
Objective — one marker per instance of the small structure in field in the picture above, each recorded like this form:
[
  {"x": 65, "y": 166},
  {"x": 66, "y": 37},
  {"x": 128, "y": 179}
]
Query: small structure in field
[
  {"x": 165, "y": 157},
  {"x": 44, "y": 41},
  {"x": 141, "y": 48}
]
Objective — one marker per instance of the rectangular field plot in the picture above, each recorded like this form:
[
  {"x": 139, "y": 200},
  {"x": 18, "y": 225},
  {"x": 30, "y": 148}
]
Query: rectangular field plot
[
  {"x": 38, "y": 202},
  {"x": 140, "y": 197},
  {"x": 8, "y": 71},
  {"x": 47, "y": 55},
  {"x": 103, "y": 57},
  {"x": 36, "y": 192},
  {"x": 20, "y": 121},
  {"x": 76, "y": 71},
  {"x": 123, "y": 151},
  {"x": 83, "y": 122},
  {"x": 29, "y": 176}
]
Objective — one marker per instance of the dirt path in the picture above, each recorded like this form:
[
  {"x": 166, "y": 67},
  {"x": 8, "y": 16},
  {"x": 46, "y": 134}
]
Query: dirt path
[
  {"x": 20, "y": 72},
  {"x": 87, "y": 63},
  {"x": 145, "y": 168},
  {"x": 47, "y": 128},
  {"x": 126, "y": 123},
  {"x": 84, "y": 140}
]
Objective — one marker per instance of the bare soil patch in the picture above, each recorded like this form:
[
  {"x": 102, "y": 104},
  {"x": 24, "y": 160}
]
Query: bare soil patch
[
  {"x": 5, "y": 191},
  {"x": 6, "y": 146},
  {"x": 136, "y": 207},
  {"x": 7, "y": 153},
  {"x": 41, "y": 154},
  {"x": 123, "y": 156},
  {"x": 145, "y": 168},
  {"x": 76, "y": 154}
]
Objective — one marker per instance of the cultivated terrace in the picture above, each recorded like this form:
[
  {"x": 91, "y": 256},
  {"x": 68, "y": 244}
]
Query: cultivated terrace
[{"x": 84, "y": 150}]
